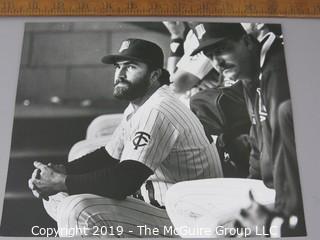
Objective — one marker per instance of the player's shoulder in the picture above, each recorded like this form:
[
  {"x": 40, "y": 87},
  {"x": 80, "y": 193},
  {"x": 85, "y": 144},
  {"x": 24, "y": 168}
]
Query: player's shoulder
[
  {"x": 164, "y": 95},
  {"x": 165, "y": 102},
  {"x": 206, "y": 95}
]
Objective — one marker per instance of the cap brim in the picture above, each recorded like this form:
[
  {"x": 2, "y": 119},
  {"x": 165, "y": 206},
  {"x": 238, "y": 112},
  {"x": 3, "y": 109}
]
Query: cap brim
[
  {"x": 207, "y": 43},
  {"x": 112, "y": 59}
]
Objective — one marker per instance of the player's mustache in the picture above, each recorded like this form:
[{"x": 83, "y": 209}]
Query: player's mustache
[{"x": 121, "y": 80}]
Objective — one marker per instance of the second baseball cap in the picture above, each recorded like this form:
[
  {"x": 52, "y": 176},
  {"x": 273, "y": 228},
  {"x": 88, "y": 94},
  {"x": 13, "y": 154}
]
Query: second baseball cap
[
  {"x": 137, "y": 50},
  {"x": 210, "y": 34}
]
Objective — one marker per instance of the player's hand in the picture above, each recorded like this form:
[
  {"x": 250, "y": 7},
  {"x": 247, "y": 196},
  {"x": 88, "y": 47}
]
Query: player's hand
[
  {"x": 176, "y": 29},
  {"x": 34, "y": 189},
  {"x": 60, "y": 168},
  {"x": 50, "y": 181}
]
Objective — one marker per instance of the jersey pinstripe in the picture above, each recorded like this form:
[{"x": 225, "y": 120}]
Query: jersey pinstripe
[{"x": 167, "y": 137}]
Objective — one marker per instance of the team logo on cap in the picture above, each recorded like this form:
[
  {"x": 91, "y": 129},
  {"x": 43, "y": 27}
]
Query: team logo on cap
[
  {"x": 200, "y": 31},
  {"x": 125, "y": 45}
]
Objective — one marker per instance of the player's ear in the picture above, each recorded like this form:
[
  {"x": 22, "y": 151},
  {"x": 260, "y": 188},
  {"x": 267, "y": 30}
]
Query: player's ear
[{"x": 155, "y": 75}]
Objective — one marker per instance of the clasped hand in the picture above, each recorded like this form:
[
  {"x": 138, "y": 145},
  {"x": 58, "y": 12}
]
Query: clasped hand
[{"x": 47, "y": 180}]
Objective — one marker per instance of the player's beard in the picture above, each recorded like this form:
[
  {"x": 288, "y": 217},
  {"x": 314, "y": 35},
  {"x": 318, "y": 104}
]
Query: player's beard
[{"x": 130, "y": 91}]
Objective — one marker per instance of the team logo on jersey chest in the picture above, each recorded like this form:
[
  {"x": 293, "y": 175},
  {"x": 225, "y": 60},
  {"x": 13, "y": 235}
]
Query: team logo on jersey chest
[{"x": 140, "y": 139}]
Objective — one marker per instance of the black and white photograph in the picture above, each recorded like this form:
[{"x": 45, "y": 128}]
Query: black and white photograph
[{"x": 158, "y": 129}]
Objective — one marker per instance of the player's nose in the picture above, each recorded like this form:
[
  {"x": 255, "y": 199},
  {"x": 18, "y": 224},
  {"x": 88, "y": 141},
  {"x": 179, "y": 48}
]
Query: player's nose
[{"x": 120, "y": 72}]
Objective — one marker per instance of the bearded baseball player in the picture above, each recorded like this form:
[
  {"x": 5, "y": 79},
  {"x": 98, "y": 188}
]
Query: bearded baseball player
[{"x": 119, "y": 189}]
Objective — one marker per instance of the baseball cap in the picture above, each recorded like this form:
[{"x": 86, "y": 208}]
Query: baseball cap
[
  {"x": 138, "y": 50},
  {"x": 210, "y": 34}
]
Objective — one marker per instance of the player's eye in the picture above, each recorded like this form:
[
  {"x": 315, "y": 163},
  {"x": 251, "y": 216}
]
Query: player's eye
[
  {"x": 132, "y": 67},
  {"x": 208, "y": 54},
  {"x": 222, "y": 48},
  {"x": 219, "y": 50},
  {"x": 116, "y": 65}
]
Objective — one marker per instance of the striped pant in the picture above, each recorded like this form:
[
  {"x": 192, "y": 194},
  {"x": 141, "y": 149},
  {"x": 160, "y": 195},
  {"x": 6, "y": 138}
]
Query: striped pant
[
  {"x": 89, "y": 215},
  {"x": 92, "y": 215}
]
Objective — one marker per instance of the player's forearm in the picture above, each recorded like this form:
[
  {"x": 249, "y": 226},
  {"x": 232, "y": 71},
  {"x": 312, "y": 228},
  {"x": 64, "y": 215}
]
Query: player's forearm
[
  {"x": 98, "y": 159},
  {"x": 118, "y": 182}
]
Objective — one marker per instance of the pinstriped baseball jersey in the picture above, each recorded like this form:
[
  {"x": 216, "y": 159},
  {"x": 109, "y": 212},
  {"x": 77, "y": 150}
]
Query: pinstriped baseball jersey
[{"x": 167, "y": 137}]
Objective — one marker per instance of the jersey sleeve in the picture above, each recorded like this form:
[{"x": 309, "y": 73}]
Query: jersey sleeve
[
  {"x": 115, "y": 146},
  {"x": 151, "y": 141}
]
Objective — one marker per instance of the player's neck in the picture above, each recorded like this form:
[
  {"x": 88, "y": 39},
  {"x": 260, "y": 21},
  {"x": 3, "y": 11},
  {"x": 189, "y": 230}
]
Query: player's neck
[{"x": 136, "y": 103}]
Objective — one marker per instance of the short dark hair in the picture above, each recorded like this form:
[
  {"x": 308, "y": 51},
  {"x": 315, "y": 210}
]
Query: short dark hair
[{"x": 164, "y": 77}]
